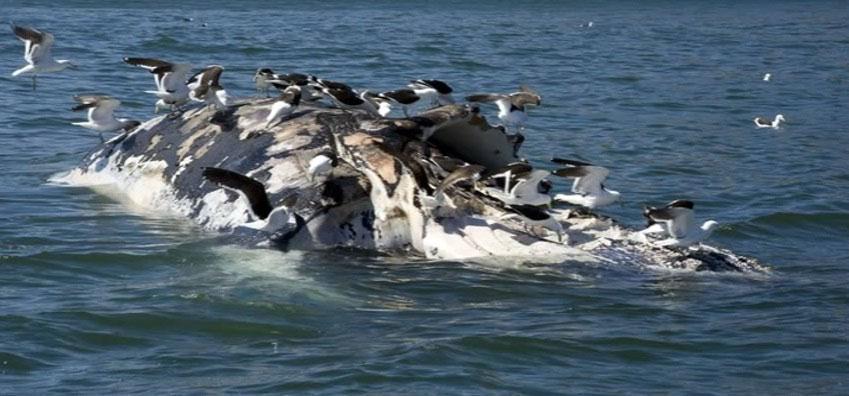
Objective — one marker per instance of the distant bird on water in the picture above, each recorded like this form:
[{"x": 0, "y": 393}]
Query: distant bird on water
[
  {"x": 767, "y": 76},
  {"x": 37, "y": 48},
  {"x": 100, "y": 114},
  {"x": 170, "y": 79},
  {"x": 761, "y": 122}
]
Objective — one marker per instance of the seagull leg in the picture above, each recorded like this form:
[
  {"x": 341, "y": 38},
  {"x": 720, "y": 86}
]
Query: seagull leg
[
  {"x": 406, "y": 113},
  {"x": 101, "y": 138},
  {"x": 33, "y": 81}
]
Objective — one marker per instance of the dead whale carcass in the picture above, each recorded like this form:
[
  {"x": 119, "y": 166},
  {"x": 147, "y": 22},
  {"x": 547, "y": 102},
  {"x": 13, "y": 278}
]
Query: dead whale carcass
[{"x": 375, "y": 195}]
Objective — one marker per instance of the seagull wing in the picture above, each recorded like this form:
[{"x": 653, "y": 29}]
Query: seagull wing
[
  {"x": 148, "y": 64},
  {"x": 464, "y": 173},
  {"x": 175, "y": 79},
  {"x": 438, "y": 85},
  {"x": 564, "y": 161},
  {"x": 39, "y": 51},
  {"x": 252, "y": 190},
  {"x": 522, "y": 99},
  {"x": 102, "y": 112},
  {"x": 679, "y": 220},
  {"x": 88, "y": 101},
  {"x": 588, "y": 178},
  {"x": 402, "y": 96},
  {"x": 155, "y": 66},
  {"x": 200, "y": 82},
  {"x": 31, "y": 38},
  {"x": 515, "y": 168},
  {"x": 527, "y": 89},
  {"x": 486, "y": 98}
]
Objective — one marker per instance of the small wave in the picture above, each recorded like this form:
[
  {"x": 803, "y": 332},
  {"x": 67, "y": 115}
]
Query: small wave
[
  {"x": 823, "y": 221},
  {"x": 623, "y": 79},
  {"x": 14, "y": 363}
]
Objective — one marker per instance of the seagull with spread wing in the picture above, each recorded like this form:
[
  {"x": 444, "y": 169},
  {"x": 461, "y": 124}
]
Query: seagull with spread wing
[
  {"x": 267, "y": 218},
  {"x": 170, "y": 79},
  {"x": 511, "y": 107},
  {"x": 37, "y": 53},
  {"x": 101, "y": 117},
  {"x": 205, "y": 87},
  {"x": 588, "y": 188},
  {"x": 676, "y": 221}
]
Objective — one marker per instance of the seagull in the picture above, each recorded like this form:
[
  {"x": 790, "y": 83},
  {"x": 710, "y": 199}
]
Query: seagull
[
  {"x": 534, "y": 216},
  {"x": 469, "y": 172},
  {"x": 761, "y": 122},
  {"x": 401, "y": 97},
  {"x": 284, "y": 105},
  {"x": 767, "y": 76},
  {"x": 437, "y": 92},
  {"x": 261, "y": 79},
  {"x": 268, "y": 218},
  {"x": 308, "y": 92},
  {"x": 322, "y": 164},
  {"x": 204, "y": 87},
  {"x": 320, "y": 83},
  {"x": 100, "y": 114},
  {"x": 170, "y": 79},
  {"x": 37, "y": 46},
  {"x": 521, "y": 185},
  {"x": 348, "y": 99},
  {"x": 384, "y": 106},
  {"x": 676, "y": 221},
  {"x": 511, "y": 107},
  {"x": 588, "y": 187}
]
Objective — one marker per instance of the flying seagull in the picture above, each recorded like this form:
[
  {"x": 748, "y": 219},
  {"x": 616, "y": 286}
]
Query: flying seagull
[
  {"x": 204, "y": 87},
  {"x": 37, "y": 46},
  {"x": 268, "y": 218},
  {"x": 170, "y": 79},
  {"x": 588, "y": 188},
  {"x": 100, "y": 114},
  {"x": 511, "y": 107},
  {"x": 675, "y": 220}
]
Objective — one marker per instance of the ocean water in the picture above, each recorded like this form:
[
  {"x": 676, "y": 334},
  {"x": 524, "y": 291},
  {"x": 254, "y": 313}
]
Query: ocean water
[{"x": 98, "y": 297}]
